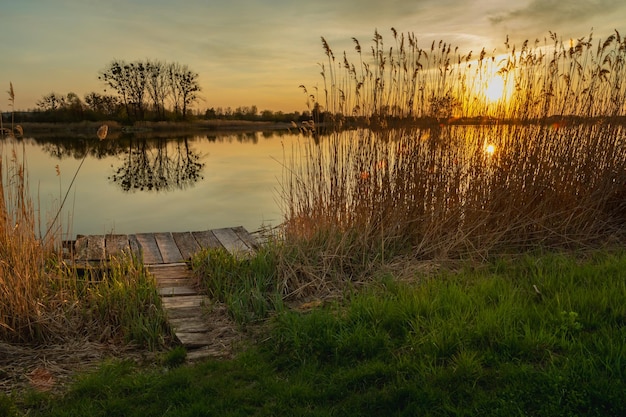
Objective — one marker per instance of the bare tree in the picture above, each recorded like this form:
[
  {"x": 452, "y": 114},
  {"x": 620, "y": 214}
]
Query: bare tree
[
  {"x": 116, "y": 77},
  {"x": 105, "y": 105},
  {"x": 129, "y": 82},
  {"x": 184, "y": 87},
  {"x": 173, "y": 70},
  {"x": 160, "y": 81},
  {"x": 138, "y": 80},
  {"x": 189, "y": 88},
  {"x": 51, "y": 102},
  {"x": 158, "y": 86}
]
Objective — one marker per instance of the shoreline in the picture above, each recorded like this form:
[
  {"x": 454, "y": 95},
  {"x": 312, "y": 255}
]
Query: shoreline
[{"x": 138, "y": 127}]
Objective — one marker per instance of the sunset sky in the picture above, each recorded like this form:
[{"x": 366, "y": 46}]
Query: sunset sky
[{"x": 255, "y": 52}]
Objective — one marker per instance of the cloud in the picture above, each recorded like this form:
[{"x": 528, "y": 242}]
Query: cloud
[{"x": 557, "y": 14}]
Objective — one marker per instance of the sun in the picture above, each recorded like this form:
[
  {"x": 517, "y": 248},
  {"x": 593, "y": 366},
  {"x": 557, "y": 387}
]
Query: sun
[{"x": 495, "y": 89}]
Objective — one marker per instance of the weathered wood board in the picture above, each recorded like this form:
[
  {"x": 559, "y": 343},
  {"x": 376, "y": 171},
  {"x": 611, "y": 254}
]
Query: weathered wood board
[
  {"x": 231, "y": 241},
  {"x": 177, "y": 290},
  {"x": 149, "y": 249},
  {"x": 117, "y": 245},
  {"x": 193, "y": 301},
  {"x": 183, "y": 312},
  {"x": 245, "y": 236},
  {"x": 189, "y": 324},
  {"x": 192, "y": 340},
  {"x": 187, "y": 244},
  {"x": 207, "y": 239},
  {"x": 167, "y": 247},
  {"x": 162, "y": 247},
  {"x": 90, "y": 248}
]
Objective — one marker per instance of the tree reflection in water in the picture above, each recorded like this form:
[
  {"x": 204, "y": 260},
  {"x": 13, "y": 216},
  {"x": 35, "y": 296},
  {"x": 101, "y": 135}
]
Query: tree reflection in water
[{"x": 158, "y": 165}]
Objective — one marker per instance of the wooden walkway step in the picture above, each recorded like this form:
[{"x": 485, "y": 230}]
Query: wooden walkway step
[{"x": 202, "y": 327}]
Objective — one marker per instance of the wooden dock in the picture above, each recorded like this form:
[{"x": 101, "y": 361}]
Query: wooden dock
[
  {"x": 163, "y": 247},
  {"x": 199, "y": 325}
]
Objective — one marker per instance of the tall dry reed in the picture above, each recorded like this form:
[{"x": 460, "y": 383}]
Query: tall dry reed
[
  {"x": 24, "y": 311},
  {"x": 25, "y": 308},
  {"x": 553, "y": 77},
  {"x": 44, "y": 298},
  {"x": 544, "y": 169},
  {"x": 356, "y": 199}
]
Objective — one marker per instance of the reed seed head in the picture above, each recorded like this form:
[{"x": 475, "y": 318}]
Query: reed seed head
[{"x": 102, "y": 132}]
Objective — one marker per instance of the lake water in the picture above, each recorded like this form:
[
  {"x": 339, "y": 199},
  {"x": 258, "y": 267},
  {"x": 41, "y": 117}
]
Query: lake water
[
  {"x": 173, "y": 184},
  {"x": 139, "y": 184}
]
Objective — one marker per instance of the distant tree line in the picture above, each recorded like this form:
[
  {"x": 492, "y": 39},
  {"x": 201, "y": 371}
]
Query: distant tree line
[
  {"x": 94, "y": 106},
  {"x": 252, "y": 113},
  {"x": 141, "y": 90},
  {"x": 149, "y": 90},
  {"x": 59, "y": 108}
]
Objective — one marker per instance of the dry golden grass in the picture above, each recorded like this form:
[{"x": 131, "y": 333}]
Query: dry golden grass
[
  {"x": 25, "y": 309},
  {"x": 355, "y": 200}
]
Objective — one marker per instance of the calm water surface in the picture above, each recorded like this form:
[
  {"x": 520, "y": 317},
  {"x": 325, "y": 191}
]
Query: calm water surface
[{"x": 159, "y": 185}]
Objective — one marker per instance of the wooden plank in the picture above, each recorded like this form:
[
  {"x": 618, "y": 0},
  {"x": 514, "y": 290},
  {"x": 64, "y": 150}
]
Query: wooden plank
[
  {"x": 187, "y": 244},
  {"x": 177, "y": 291},
  {"x": 134, "y": 245},
  {"x": 167, "y": 247},
  {"x": 95, "y": 248},
  {"x": 149, "y": 248},
  {"x": 207, "y": 239},
  {"x": 190, "y": 325},
  {"x": 233, "y": 243},
  {"x": 116, "y": 245},
  {"x": 80, "y": 248},
  {"x": 174, "y": 282},
  {"x": 246, "y": 237},
  {"x": 157, "y": 267},
  {"x": 184, "y": 312},
  {"x": 169, "y": 270},
  {"x": 193, "y": 340},
  {"x": 186, "y": 301},
  {"x": 172, "y": 275}
]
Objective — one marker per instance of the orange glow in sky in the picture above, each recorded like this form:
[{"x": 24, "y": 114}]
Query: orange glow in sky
[{"x": 253, "y": 52}]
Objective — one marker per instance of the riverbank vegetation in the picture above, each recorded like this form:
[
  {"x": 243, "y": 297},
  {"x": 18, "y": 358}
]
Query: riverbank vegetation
[
  {"x": 422, "y": 269},
  {"x": 66, "y": 117},
  {"x": 46, "y": 299}
]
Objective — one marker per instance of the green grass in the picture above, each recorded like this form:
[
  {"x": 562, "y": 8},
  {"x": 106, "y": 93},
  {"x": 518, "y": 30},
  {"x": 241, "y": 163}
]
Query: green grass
[
  {"x": 123, "y": 302},
  {"x": 248, "y": 285},
  {"x": 534, "y": 335}
]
